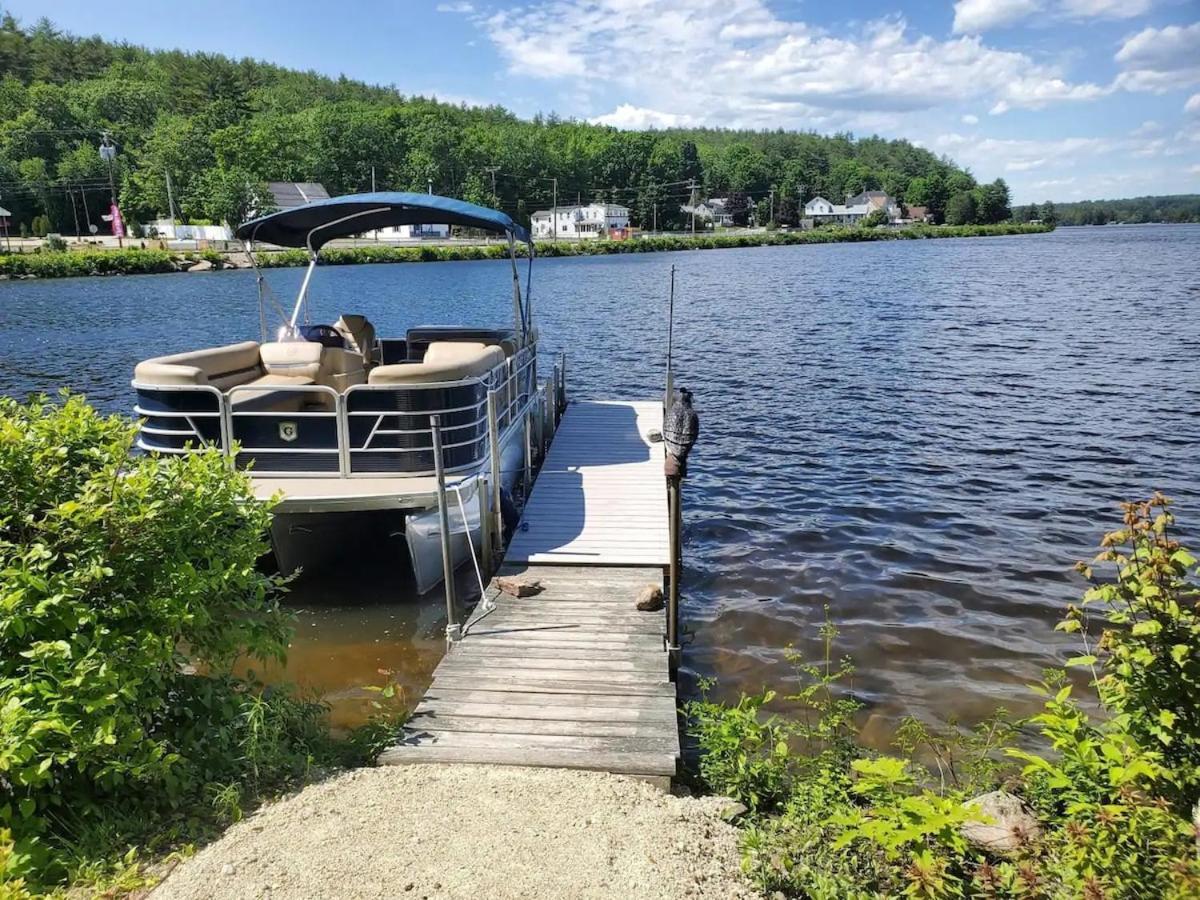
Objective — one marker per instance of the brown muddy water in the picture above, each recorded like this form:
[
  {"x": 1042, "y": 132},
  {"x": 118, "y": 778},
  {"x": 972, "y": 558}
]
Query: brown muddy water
[{"x": 923, "y": 436}]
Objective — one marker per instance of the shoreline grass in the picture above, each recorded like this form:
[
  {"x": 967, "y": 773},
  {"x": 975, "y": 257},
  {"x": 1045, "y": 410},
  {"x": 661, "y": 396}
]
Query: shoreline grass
[{"x": 133, "y": 261}]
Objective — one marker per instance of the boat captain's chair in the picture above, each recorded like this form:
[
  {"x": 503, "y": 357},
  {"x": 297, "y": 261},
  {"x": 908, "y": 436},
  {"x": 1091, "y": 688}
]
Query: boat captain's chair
[{"x": 360, "y": 336}]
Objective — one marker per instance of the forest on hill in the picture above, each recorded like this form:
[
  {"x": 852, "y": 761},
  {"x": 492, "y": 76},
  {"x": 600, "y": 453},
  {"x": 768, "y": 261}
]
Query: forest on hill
[
  {"x": 1132, "y": 211},
  {"x": 204, "y": 133}
]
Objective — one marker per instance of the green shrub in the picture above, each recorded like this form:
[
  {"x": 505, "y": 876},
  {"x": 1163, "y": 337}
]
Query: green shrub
[
  {"x": 1149, "y": 652},
  {"x": 129, "y": 585},
  {"x": 1113, "y": 797}
]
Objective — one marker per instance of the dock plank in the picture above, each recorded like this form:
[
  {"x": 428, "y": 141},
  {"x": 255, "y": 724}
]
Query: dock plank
[{"x": 574, "y": 676}]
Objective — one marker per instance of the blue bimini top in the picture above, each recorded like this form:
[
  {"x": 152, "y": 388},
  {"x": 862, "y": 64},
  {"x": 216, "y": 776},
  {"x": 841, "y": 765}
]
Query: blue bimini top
[{"x": 315, "y": 224}]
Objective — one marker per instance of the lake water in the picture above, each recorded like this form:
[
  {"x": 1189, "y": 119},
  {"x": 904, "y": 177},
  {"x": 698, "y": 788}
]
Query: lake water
[{"x": 923, "y": 436}]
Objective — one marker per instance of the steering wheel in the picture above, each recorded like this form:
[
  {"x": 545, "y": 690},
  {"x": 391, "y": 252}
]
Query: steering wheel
[{"x": 325, "y": 335}]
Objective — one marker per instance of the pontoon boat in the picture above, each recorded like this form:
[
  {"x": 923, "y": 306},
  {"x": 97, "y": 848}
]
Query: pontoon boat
[{"x": 339, "y": 421}]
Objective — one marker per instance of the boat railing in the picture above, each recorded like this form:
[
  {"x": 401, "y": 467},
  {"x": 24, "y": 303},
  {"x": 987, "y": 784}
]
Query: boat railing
[{"x": 367, "y": 430}]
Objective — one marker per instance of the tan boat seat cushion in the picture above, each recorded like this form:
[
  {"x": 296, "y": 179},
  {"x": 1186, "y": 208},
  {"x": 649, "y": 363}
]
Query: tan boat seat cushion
[
  {"x": 442, "y": 365},
  {"x": 452, "y": 351},
  {"x": 359, "y": 334},
  {"x": 261, "y": 393},
  {"x": 220, "y": 367},
  {"x": 301, "y": 359}
]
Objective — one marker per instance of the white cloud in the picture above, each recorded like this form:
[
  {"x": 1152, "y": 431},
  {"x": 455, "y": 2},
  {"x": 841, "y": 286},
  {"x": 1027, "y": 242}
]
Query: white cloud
[
  {"x": 1194, "y": 170},
  {"x": 1193, "y": 105},
  {"x": 636, "y": 117},
  {"x": 1160, "y": 59},
  {"x": 771, "y": 71},
  {"x": 970, "y": 119},
  {"x": 976, "y": 16},
  {"x": 1105, "y": 9},
  {"x": 1024, "y": 165},
  {"x": 458, "y": 7}
]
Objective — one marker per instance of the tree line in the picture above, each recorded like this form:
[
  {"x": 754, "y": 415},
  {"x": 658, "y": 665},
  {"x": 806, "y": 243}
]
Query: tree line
[
  {"x": 201, "y": 133},
  {"x": 1133, "y": 211}
]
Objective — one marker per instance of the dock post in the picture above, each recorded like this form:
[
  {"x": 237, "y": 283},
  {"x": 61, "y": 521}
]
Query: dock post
[
  {"x": 562, "y": 383},
  {"x": 453, "y": 626},
  {"x": 528, "y": 474},
  {"x": 494, "y": 482},
  {"x": 483, "y": 492},
  {"x": 547, "y": 420},
  {"x": 674, "y": 486}
]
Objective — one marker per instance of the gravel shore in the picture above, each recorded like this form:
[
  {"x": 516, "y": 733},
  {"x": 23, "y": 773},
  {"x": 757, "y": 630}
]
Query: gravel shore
[{"x": 471, "y": 831}]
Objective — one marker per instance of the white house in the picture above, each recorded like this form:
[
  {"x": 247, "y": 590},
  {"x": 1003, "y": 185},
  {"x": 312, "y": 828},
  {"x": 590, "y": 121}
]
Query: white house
[
  {"x": 716, "y": 211},
  {"x": 409, "y": 233},
  {"x": 591, "y": 221},
  {"x": 855, "y": 208}
]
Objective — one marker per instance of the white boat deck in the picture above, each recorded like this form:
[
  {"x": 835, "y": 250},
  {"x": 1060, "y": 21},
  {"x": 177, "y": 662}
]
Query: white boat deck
[
  {"x": 333, "y": 493},
  {"x": 600, "y": 498}
]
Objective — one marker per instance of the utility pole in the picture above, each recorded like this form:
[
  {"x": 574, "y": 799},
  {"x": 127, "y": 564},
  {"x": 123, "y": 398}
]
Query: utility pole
[
  {"x": 74, "y": 210},
  {"x": 170, "y": 200},
  {"x": 554, "y": 213},
  {"x": 429, "y": 185},
  {"x": 655, "y": 231},
  {"x": 692, "y": 185},
  {"x": 372, "y": 179},
  {"x": 771, "y": 217},
  {"x": 492, "y": 170}
]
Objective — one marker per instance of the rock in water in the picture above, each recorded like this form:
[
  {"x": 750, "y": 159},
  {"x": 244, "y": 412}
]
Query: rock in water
[
  {"x": 650, "y": 599},
  {"x": 203, "y": 266},
  {"x": 1008, "y": 824},
  {"x": 519, "y": 587}
]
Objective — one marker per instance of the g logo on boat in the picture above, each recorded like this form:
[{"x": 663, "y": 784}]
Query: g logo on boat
[{"x": 288, "y": 431}]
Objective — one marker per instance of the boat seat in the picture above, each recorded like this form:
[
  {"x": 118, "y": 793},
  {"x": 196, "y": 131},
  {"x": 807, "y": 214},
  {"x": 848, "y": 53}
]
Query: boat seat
[
  {"x": 264, "y": 397},
  {"x": 359, "y": 334},
  {"x": 219, "y": 367},
  {"x": 458, "y": 361}
]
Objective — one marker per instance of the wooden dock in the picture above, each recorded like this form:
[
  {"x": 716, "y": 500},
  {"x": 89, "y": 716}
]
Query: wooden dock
[{"x": 575, "y": 676}]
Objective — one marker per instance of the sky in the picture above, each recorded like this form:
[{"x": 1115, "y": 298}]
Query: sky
[{"x": 1064, "y": 99}]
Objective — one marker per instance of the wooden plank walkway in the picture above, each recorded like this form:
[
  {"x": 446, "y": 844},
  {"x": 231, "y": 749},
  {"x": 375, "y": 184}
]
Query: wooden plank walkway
[
  {"x": 575, "y": 676},
  {"x": 600, "y": 498}
]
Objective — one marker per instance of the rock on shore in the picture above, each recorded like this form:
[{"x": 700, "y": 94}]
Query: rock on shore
[{"x": 472, "y": 831}]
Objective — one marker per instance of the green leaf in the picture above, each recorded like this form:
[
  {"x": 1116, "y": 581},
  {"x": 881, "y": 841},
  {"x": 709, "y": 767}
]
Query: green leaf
[
  {"x": 1147, "y": 628},
  {"x": 1088, "y": 660}
]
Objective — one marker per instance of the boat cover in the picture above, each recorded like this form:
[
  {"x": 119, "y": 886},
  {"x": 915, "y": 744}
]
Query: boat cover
[{"x": 315, "y": 224}]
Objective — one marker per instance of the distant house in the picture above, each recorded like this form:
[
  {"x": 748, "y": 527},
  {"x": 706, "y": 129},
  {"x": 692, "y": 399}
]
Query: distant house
[
  {"x": 410, "y": 233},
  {"x": 855, "y": 209},
  {"x": 591, "y": 221},
  {"x": 716, "y": 211},
  {"x": 821, "y": 212},
  {"x": 919, "y": 214}
]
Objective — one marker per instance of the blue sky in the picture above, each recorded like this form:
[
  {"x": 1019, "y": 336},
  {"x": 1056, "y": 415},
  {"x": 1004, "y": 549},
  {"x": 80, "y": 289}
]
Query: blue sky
[{"x": 1065, "y": 99}]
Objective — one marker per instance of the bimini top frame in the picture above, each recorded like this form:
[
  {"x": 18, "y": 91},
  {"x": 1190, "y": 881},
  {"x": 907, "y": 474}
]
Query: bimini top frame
[{"x": 315, "y": 224}]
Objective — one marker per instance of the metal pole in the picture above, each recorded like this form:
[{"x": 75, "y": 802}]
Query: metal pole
[
  {"x": 494, "y": 481},
  {"x": 554, "y": 214},
  {"x": 453, "y": 628},
  {"x": 673, "y": 503},
  {"x": 528, "y": 423},
  {"x": 485, "y": 527},
  {"x": 562, "y": 387},
  {"x": 670, "y": 394}
]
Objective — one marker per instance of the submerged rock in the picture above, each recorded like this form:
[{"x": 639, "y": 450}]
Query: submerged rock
[{"x": 1007, "y": 823}]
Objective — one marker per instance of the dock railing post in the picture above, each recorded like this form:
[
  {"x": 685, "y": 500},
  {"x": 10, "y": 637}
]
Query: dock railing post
[
  {"x": 483, "y": 490},
  {"x": 494, "y": 482},
  {"x": 674, "y": 485},
  {"x": 527, "y": 427},
  {"x": 453, "y": 625}
]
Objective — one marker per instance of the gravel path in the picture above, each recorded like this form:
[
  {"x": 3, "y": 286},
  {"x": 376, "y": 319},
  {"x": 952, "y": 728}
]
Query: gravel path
[{"x": 471, "y": 831}]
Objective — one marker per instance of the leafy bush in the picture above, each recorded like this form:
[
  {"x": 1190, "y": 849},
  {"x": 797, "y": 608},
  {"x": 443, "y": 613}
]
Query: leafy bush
[
  {"x": 55, "y": 242},
  {"x": 128, "y": 588},
  {"x": 1113, "y": 797},
  {"x": 68, "y": 264}
]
